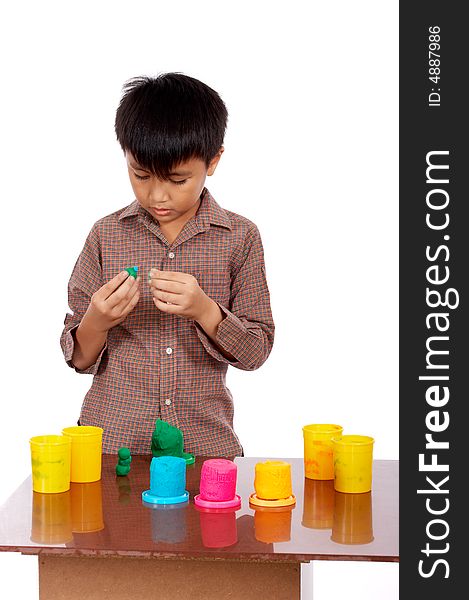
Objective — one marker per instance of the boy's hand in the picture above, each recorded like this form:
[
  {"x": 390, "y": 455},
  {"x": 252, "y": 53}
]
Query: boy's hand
[
  {"x": 179, "y": 294},
  {"x": 110, "y": 305}
]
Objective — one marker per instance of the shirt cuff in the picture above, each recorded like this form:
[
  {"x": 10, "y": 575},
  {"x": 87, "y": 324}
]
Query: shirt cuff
[
  {"x": 231, "y": 337},
  {"x": 68, "y": 345}
]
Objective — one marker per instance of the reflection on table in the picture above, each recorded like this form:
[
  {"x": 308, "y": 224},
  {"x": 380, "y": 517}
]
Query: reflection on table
[
  {"x": 56, "y": 517},
  {"x": 349, "y": 516},
  {"x": 109, "y": 518}
]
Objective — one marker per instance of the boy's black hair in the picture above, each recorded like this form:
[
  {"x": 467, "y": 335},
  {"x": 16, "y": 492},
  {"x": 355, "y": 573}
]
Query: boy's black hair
[{"x": 169, "y": 119}]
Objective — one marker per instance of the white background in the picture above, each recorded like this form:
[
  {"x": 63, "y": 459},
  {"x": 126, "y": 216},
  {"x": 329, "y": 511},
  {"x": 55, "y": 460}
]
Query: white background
[{"x": 311, "y": 156}]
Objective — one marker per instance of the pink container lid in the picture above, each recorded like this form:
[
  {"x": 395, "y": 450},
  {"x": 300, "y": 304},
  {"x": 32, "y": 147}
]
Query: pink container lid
[{"x": 234, "y": 503}]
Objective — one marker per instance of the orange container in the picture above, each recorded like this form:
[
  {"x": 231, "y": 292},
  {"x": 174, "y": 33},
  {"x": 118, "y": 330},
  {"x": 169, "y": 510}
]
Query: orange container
[{"x": 318, "y": 460}]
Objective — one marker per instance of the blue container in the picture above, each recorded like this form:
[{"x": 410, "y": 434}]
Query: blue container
[{"x": 167, "y": 481}]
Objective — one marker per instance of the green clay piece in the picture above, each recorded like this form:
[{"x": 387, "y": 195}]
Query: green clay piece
[
  {"x": 122, "y": 470},
  {"x": 123, "y": 463},
  {"x": 166, "y": 440},
  {"x": 123, "y": 453},
  {"x": 189, "y": 458},
  {"x": 133, "y": 271}
]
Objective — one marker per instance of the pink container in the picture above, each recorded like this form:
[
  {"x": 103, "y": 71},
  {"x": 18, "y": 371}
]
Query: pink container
[{"x": 218, "y": 484}]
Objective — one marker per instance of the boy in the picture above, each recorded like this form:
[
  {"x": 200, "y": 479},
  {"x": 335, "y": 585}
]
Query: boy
[{"x": 161, "y": 348}]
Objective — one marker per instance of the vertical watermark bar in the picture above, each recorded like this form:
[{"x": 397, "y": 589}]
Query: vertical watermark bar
[{"x": 434, "y": 252}]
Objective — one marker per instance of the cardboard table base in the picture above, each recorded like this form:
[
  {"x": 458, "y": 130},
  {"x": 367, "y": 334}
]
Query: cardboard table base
[{"x": 121, "y": 578}]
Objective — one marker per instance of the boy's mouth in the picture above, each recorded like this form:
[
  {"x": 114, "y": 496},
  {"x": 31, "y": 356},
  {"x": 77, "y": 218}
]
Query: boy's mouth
[{"x": 161, "y": 211}]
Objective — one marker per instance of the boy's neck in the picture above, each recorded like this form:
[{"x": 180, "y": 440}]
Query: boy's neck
[
  {"x": 172, "y": 229},
  {"x": 170, "y": 232}
]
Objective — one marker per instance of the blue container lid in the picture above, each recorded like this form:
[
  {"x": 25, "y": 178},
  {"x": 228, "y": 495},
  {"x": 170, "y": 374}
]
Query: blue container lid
[{"x": 147, "y": 496}]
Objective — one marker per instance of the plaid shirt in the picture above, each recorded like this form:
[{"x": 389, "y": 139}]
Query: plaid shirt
[{"x": 156, "y": 365}]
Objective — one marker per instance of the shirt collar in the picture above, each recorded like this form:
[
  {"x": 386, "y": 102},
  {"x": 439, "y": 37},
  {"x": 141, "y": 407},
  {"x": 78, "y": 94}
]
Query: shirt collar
[
  {"x": 209, "y": 212},
  {"x": 131, "y": 210}
]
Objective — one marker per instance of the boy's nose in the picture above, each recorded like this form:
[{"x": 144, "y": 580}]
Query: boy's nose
[{"x": 158, "y": 195}]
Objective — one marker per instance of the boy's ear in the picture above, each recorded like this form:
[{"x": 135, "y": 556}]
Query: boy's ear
[{"x": 214, "y": 162}]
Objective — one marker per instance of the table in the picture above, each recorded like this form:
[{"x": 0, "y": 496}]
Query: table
[{"x": 99, "y": 540}]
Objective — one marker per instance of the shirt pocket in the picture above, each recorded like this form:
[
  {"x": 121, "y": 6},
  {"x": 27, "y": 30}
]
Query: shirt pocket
[{"x": 216, "y": 284}]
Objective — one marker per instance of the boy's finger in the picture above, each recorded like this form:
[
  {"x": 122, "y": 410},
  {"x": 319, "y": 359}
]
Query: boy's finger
[
  {"x": 127, "y": 295},
  {"x": 132, "y": 303},
  {"x": 121, "y": 292},
  {"x": 170, "y": 276},
  {"x": 168, "y": 297},
  {"x": 176, "y": 287},
  {"x": 111, "y": 286},
  {"x": 167, "y": 308}
]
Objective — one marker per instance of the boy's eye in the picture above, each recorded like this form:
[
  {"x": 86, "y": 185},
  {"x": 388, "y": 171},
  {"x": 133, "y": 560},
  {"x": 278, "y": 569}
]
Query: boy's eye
[
  {"x": 141, "y": 177},
  {"x": 145, "y": 177}
]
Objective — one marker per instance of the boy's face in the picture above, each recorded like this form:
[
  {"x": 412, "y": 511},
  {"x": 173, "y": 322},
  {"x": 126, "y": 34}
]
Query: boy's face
[{"x": 173, "y": 202}]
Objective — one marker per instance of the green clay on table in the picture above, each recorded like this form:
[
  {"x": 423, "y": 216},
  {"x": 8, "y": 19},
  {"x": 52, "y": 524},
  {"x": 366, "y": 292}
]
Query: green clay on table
[
  {"x": 124, "y": 460},
  {"x": 122, "y": 470},
  {"x": 189, "y": 458},
  {"x": 133, "y": 271},
  {"x": 123, "y": 453},
  {"x": 166, "y": 440}
]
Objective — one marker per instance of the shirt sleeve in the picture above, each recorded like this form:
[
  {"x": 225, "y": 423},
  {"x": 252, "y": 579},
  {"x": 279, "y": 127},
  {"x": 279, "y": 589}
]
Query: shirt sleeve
[
  {"x": 86, "y": 279},
  {"x": 247, "y": 329}
]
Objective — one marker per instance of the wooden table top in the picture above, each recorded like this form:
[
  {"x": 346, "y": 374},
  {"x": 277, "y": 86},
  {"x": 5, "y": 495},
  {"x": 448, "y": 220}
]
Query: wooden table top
[{"x": 109, "y": 518}]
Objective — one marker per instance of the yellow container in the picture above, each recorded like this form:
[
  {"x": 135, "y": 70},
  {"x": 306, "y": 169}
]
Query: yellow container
[
  {"x": 318, "y": 459},
  {"x": 87, "y": 442},
  {"x": 353, "y": 463},
  {"x": 50, "y": 463}
]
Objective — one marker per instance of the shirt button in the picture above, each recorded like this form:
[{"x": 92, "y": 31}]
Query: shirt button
[
  {"x": 170, "y": 254},
  {"x": 167, "y": 401},
  {"x": 169, "y": 350}
]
